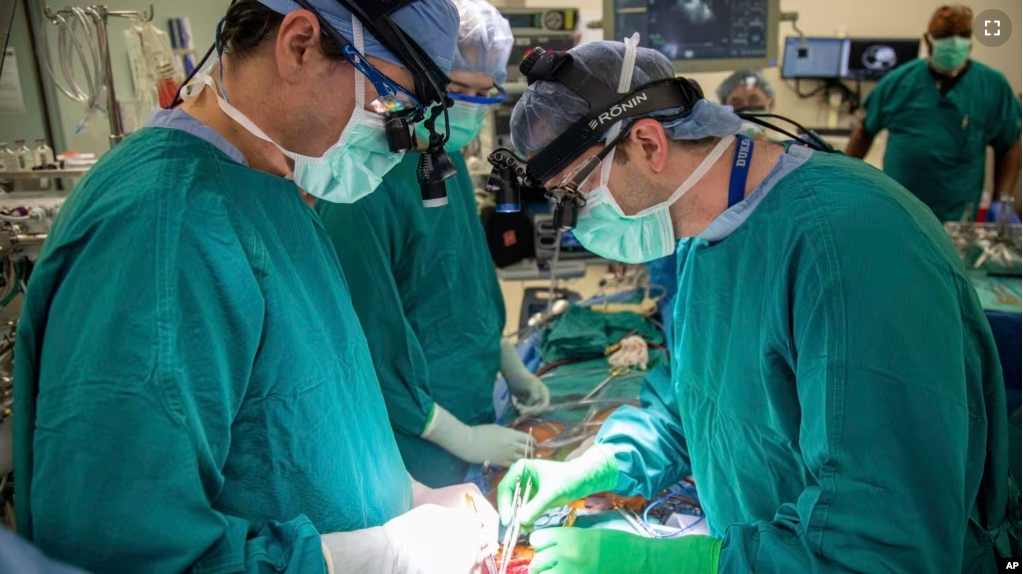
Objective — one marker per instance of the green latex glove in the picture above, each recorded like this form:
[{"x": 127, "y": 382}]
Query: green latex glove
[
  {"x": 556, "y": 483},
  {"x": 578, "y": 551}
]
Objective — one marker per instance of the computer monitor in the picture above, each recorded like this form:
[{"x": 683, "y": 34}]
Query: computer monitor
[
  {"x": 870, "y": 59},
  {"x": 700, "y": 35},
  {"x": 864, "y": 59},
  {"x": 813, "y": 58}
]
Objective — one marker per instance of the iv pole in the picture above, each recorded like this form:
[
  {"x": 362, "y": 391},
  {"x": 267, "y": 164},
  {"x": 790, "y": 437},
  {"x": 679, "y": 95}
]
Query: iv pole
[{"x": 101, "y": 15}]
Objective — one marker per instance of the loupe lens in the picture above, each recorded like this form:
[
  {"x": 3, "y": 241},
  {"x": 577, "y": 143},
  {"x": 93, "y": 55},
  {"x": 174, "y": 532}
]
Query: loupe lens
[
  {"x": 566, "y": 214},
  {"x": 399, "y": 136},
  {"x": 504, "y": 185}
]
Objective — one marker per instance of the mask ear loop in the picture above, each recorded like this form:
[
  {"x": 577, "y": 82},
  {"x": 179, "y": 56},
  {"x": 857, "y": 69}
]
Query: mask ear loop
[
  {"x": 708, "y": 162},
  {"x": 360, "y": 79},
  {"x": 220, "y": 60}
]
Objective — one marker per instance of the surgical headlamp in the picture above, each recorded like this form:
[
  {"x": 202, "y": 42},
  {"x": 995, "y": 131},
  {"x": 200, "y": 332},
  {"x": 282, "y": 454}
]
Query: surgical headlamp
[{"x": 674, "y": 97}]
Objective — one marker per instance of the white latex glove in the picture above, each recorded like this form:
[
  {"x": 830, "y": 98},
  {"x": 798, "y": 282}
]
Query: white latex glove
[
  {"x": 429, "y": 539},
  {"x": 454, "y": 497},
  {"x": 478, "y": 444},
  {"x": 529, "y": 393}
]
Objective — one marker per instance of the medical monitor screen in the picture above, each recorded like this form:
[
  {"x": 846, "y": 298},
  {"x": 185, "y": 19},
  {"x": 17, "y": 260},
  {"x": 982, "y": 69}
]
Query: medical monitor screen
[
  {"x": 870, "y": 59},
  {"x": 813, "y": 58},
  {"x": 696, "y": 29}
]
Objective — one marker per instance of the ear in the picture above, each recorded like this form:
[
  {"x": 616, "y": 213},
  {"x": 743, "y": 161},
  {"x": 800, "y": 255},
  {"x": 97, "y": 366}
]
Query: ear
[
  {"x": 297, "y": 43},
  {"x": 648, "y": 137}
]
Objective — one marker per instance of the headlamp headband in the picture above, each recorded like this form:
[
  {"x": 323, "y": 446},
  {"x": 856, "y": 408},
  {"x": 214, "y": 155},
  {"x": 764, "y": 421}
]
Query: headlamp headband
[{"x": 606, "y": 106}]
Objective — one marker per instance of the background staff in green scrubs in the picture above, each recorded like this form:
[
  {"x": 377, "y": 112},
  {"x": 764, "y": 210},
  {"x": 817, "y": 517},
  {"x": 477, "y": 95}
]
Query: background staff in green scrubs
[
  {"x": 941, "y": 114},
  {"x": 426, "y": 291}
]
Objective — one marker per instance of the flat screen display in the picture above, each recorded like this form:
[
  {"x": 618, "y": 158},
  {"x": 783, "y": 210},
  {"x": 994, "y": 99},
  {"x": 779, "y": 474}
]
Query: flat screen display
[
  {"x": 870, "y": 59},
  {"x": 696, "y": 29},
  {"x": 866, "y": 59},
  {"x": 813, "y": 58}
]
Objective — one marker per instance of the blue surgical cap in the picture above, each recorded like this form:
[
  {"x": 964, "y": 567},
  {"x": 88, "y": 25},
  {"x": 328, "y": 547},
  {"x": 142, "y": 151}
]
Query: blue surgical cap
[
  {"x": 751, "y": 78},
  {"x": 484, "y": 40},
  {"x": 547, "y": 109},
  {"x": 433, "y": 24}
]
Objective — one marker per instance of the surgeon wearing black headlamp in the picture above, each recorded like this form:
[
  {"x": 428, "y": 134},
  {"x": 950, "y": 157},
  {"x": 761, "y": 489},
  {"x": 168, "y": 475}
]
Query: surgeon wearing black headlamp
[{"x": 823, "y": 323}]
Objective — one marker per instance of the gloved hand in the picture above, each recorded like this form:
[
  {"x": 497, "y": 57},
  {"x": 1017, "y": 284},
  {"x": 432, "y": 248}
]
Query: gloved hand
[
  {"x": 578, "y": 551},
  {"x": 529, "y": 393},
  {"x": 454, "y": 497},
  {"x": 429, "y": 539},
  {"x": 556, "y": 483},
  {"x": 476, "y": 444}
]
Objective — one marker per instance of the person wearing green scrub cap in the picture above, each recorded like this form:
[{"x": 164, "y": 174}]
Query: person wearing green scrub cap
[
  {"x": 835, "y": 389},
  {"x": 426, "y": 289},
  {"x": 942, "y": 113}
]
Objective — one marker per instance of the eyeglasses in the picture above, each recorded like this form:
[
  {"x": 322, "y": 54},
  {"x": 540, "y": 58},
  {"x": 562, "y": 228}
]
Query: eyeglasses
[
  {"x": 391, "y": 98},
  {"x": 585, "y": 177},
  {"x": 497, "y": 95}
]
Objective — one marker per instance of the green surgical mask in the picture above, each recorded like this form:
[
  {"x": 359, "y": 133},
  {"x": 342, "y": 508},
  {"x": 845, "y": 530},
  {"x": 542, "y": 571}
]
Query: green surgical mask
[
  {"x": 466, "y": 121},
  {"x": 605, "y": 230},
  {"x": 949, "y": 54}
]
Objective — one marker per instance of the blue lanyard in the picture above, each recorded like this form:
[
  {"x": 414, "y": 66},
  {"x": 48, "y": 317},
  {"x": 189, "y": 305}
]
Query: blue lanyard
[{"x": 740, "y": 170}]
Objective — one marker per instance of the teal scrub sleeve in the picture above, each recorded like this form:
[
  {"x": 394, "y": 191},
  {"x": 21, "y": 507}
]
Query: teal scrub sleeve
[
  {"x": 887, "y": 451},
  {"x": 1006, "y": 131},
  {"x": 873, "y": 122},
  {"x": 144, "y": 363},
  {"x": 368, "y": 237},
  {"x": 648, "y": 443}
]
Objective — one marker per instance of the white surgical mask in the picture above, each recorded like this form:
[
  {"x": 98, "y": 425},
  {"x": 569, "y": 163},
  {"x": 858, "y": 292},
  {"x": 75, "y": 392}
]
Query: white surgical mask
[
  {"x": 351, "y": 168},
  {"x": 604, "y": 229}
]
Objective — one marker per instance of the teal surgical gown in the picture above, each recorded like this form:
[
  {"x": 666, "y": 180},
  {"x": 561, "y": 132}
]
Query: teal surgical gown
[
  {"x": 836, "y": 391},
  {"x": 194, "y": 389},
  {"x": 937, "y": 144},
  {"x": 426, "y": 291}
]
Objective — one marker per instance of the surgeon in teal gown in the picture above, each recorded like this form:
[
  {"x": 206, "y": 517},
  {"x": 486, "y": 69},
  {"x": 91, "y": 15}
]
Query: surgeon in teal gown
[
  {"x": 835, "y": 390},
  {"x": 428, "y": 295},
  {"x": 194, "y": 390}
]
